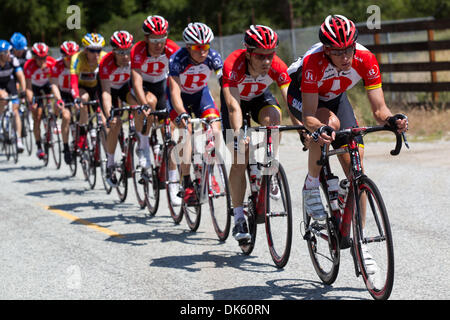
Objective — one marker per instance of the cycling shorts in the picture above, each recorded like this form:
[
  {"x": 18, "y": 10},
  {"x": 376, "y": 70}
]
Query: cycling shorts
[
  {"x": 159, "y": 91},
  {"x": 10, "y": 87},
  {"x": 40, "y": 91},
  {"x": 252, "y": 107},
  {"x": 200, "y": 103},
  {"x": 340, "y": 106}
]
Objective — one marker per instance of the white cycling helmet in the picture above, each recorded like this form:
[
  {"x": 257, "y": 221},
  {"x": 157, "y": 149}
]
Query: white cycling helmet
[{"x": 197, "y": 33}]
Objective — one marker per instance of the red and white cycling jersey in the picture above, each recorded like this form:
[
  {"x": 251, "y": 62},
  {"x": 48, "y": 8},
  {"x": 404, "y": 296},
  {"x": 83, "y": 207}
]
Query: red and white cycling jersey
[
  {"x": 60, "y": 72},
  {"x": 153, "y": 69},
  {"x": 320, "y": 76},
  {"x": 235, "y": 75},
  {"x": 108, "y": 70},
  {"x": 38, "y": 76}
]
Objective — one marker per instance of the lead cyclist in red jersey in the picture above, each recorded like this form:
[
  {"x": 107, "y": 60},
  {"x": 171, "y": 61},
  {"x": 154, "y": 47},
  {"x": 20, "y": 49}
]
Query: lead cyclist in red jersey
[{"x": 317, "y": 96}]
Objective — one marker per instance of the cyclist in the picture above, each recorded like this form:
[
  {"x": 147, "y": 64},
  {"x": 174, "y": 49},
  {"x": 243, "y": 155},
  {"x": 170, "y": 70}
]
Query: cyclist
[
  {"x": 10, "y": 67},
  {"x": 114, "y": 71},
  {"x": 60, "y": 81},
  {"x": 247, "y": 75},
  {"x": 317, "y": 95},
  {"x": 37, "y": 74},
  {"x": 20, "y": 50},
  {"x": 149, "y": 68},
  {"x": 84, "y": 68},
  {"x": 189, "y": 72}
]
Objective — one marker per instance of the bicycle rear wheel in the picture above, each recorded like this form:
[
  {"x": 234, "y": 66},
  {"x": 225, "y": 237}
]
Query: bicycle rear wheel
[
  {"x": 139, "y": 175},
  {"x": 247, "y": 246},
  {"x": 372, "y": 236},
  {"x": 193, "y": 211},
  {"x": 175, "y": 212},
  {"x": 72, "y": 149},
  {"x": 27, "y": 132},
  {"x": 55, "y": 141},
  {"x": 101, "y": 141},
  {"x": 87, "y": 160},
  {"x": 219, "y": 197},
  {"x": 322, "y": 242},
  {"x": 278, "y": 217},
  {"x": 121, "y": 171}
]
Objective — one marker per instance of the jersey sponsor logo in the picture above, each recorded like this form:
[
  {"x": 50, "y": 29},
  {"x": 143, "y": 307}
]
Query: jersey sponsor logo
[
  {"x": 121, "y": 77},
  {"x": 195, "y": 80},
  {"x": 373, "y": 72},
  {"x": 310, "y": 76},
  {"x": 282, "y": 78},
  {"x": 155, "y": 67},
  {"x": 252, "y": 88}
]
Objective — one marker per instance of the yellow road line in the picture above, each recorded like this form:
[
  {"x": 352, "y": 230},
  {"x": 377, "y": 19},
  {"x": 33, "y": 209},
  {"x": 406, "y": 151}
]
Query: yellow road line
[{"x": 82, "y": 221}]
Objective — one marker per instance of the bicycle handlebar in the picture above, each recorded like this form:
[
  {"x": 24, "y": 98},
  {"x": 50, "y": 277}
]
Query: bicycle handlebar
[
  {"x": 45, "y": 96},
  {"x": 10, "y": 98},
  {"x": 206, "y": 122}
]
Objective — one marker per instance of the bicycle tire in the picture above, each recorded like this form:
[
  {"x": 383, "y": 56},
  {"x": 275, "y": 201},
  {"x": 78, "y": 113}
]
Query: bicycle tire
[
  {"x": 250, "y": 215},
  {"x": 376, "y": 231},
  {"x": 12, "y": 139},
  {"x": 280, "y": 241},
  {"x": 140, "y": 181},
  {"x": 101, "y": 141},
  {"x": 323, "y": 242},
  {"x": 193, "y": 212},
  {"x": 176, "y": 214},
  {"x": 221, "y": 219},
  {"x": 122, "y": 181},
  {"x": 45, "y": 141},
  {"x": 27, "y": 132},
  {"x": 55, "y": 141},
  {"x": 154, "y": 185},
  {"x": 88, "y": 161},
  {"x": 72, "y": 149}
]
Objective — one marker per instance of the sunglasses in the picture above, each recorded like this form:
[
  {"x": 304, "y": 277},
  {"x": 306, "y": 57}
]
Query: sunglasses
[
  {"x": 159, "y": 40},
  {"x": 122, "y": 52},
  {"x": 200, "y": 47},
  {"x": 95, "y": 50},
  {"x": 263, "y": 56},
  {"x": 347, "y": 51}
]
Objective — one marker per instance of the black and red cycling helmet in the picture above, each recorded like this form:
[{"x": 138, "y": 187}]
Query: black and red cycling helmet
[
  {"x": 121, "y": 40},
  {"x": 40, "y": 49},
  {"x": 69, "y": 48},
  {"x": 338, "y": 32},
  {"x": 156, "y": 25},
  {"x": 262, "y": 37}
]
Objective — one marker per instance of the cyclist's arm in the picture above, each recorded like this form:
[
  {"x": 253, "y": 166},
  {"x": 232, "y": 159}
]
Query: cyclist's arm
[
  {"x": 137, "y": 83},
  {"x": 29, "y": 91},
  {"x": 54, "y": 88},
  {"x": 379, "y": 108},
  {"x": 106, "y": 97},
  {"x": 233, "y": 101},
  {"x": 74, "y": 77},
  {"x": 21, "y": 78},
  {"x": 310, "y": 102},
  {"x": 175, "y": 94}
]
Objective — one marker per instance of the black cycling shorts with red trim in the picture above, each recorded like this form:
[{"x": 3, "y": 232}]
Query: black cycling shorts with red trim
[{"x": 252, "y": 107}]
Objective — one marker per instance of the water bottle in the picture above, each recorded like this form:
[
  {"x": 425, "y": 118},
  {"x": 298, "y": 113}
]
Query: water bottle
[
  {"x": 255, "y": 177},
  {"x": 333, "y": 186},
  {"x": 342, "y": 193}
]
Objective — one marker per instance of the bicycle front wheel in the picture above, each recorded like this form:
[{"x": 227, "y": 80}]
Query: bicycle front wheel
[
  {"x": 139, "y": 175},
  {"x": 27, "y": 132},
  {"x": 219, "y": 197},
  {"x": 121, "y": 171},
  {"x": 279, "y": 217},
  {"x": 373, "y": 240},
  {"x": 101, "y": 141},
  {"x": 322, "y": 241},
  {"x": 173, "y": 189}
]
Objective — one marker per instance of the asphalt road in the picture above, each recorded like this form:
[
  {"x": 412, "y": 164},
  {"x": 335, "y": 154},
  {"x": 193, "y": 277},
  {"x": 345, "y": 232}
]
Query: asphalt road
[{"x": 60, "y": 240}]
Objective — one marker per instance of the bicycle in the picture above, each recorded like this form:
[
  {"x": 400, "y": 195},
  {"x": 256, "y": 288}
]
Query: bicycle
[
  {"x": 210, "y": 182},
  {"x": 128, "y": 162},
  {"x": 27, "y": 128},
  {"x": 51, "y": 135},
  {"x": 8, "y": 125},
  {"x": 89, "y": 153},
  {"x": 263, "y": 206},
  {"x": 372, "y": 228}
]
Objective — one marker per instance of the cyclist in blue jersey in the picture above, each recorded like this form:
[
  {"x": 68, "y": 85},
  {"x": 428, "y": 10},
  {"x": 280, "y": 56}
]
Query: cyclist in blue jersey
[
  {"x": 20, "y": 49},
  {"x": 9, "y": 68},
  {"x": 189, "y": 72}
]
